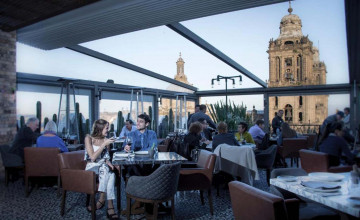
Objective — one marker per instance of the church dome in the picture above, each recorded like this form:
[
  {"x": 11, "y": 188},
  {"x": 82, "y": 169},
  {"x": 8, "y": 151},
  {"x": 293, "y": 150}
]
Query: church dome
[{"x": 290, "y": 26}]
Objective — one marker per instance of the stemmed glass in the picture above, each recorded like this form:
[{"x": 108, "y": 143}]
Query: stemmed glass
[{"x": 113, "y": 135}]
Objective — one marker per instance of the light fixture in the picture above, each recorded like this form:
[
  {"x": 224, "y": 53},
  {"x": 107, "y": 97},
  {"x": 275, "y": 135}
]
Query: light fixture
[
  {"x": 218, "y": 81},
  {"x": 233, "y": 83}
]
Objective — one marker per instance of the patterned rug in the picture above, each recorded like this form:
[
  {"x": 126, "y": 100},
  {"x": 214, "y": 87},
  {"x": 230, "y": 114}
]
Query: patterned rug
[{"x": 43, "y": 203}]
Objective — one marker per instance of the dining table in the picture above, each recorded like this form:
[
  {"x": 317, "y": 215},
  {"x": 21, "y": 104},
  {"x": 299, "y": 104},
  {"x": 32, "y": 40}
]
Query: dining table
[
  {"x": 343, "y": 196},
  {"x": 121, "y": 159}
]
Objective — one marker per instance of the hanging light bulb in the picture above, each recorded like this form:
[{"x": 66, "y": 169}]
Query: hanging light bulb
[
  {"x": 218, "y": 82},
  {"x": 233, "y": 84},
  {"x": 240, "y": 81},
  {"x": 212, "y": 83}
]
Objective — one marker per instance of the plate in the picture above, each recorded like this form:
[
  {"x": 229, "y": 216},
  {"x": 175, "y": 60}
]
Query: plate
[
  {"x": 119, "y": 158},
  {"x": 287, "y": 178},
  {"x": 121, "y": 154},
  {"x": 321, "y": 190},
  {"x": 328, "y": 177},
  {"x": 354, "y": 200},
  {"x": 141, "y": 152}
]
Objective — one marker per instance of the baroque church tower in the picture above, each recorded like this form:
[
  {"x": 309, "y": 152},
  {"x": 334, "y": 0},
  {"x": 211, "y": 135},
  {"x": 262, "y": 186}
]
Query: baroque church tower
[
  {"x": 180, "y": 75},
  {"x": 294, "y": 61}
]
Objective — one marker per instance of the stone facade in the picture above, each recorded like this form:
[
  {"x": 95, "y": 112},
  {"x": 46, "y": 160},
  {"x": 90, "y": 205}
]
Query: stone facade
[
  {"x": 8, "y": 86},
  {"x": 294, "y": 61}
]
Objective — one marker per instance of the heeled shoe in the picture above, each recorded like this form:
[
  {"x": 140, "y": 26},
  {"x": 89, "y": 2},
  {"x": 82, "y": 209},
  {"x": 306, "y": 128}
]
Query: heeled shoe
[
  {"x": 111, "y": 216},
  {"x": 97, "y": 208}
]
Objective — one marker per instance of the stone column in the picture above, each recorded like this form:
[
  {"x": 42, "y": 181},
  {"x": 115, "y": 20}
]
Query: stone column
[{"x": 7, "y": 86}]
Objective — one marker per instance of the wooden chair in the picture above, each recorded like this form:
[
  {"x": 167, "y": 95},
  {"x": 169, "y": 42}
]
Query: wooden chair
[
  {"x": 75, "y": 178},
  {"x": 314, "y": 161},
  {"x": 41, "y": 162},
  {"x": 199, "y": 178}
]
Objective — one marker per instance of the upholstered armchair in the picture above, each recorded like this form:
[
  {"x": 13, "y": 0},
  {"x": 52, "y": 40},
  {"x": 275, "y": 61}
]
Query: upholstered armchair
[
  {"x": 314, "y": 161},
  {"x": 199, "y": 178},
  {"x": 75, "y": 178},
  {"x": 40, "y": 162},
  {"x": 265, "y": 159},
  {"x": 291, "y": 147},
  {"x": 250, "y": 203},
  {"x": 158, "y": 187},
  {"x": 11, "y": 162}
]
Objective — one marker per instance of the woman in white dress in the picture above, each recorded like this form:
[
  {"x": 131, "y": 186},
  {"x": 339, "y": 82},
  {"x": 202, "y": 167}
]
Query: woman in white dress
[{"x": 98, "y": 160}]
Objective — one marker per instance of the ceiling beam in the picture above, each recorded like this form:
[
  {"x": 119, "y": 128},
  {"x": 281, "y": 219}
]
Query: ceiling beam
[
  {"x": 282, "y": 91},
  {"x": 191, "y": 36},
  {"x": 109, "y": 59}
]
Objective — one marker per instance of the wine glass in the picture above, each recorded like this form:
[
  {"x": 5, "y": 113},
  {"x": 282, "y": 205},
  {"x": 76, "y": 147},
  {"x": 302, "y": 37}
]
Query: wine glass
[
  {"x": 128, "y": 141},
  {"x": 112, "y": 135}
]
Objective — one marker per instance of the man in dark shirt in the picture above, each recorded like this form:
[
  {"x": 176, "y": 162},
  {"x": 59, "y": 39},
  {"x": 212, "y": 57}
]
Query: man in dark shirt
[
  {"x": 224, "y": 137},
  {"x": 331, "y": 119},
  {"x": 25, "y": 137},
  {"x": 201, "y": 114},
  {"x": 197, "y": 109},
  {"x": 277, "y": 121}
]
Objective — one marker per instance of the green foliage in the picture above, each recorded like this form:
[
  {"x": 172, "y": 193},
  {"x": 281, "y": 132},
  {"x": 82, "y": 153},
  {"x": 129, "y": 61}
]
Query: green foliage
[
  {"x": 171, "y": 120},
  {"x": 120, "y": 123},
  {"x": 236, "y": 114},
  {"x": 81, "y": 128},
  {"x": 54, "y": 118},
  {"x": 87, "y": 126},
  {"x": 38, "y": 114},
  {"x": 150, "y": 115},
  {"x": 164, "y": 127},
  {"x": 22, "y": 121},
  {"x": 46, "y": 120}
]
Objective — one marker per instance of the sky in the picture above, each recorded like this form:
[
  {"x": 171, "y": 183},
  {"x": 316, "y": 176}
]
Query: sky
[{"x": 242, "y": 35}]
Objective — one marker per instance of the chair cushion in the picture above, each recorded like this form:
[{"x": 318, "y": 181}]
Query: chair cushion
[{"x": 161, "y": 184}]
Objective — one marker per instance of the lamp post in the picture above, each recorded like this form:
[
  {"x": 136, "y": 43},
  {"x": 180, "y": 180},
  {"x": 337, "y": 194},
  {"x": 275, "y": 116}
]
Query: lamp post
[{"x": 218, "y": 78}]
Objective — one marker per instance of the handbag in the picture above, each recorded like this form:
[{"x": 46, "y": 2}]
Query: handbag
[{"x": 94, "y": 166}]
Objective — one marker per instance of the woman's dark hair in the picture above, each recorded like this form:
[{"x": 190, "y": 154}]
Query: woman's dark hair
[
  {"x": 195, "y": 127},
  {"x": 98, "y": 127},
  {"x": 244, "y": 125},
  {"x": 287, "y": 132}
]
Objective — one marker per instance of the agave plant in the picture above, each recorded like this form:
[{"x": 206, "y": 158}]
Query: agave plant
[{"x": 235, "y": 114}]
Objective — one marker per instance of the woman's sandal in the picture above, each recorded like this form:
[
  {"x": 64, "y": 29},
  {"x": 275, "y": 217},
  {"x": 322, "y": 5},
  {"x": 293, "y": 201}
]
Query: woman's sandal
[
  {"x": 111, "y": 216},
  {"x": 97, "y": 207}
]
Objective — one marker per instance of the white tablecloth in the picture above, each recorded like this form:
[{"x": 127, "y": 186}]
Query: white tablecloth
[{"x": 239, "y": 161}]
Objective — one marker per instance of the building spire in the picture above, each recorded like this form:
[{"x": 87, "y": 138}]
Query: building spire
[
  {"x": 180, "y": 54},
  {"x": 290, "y": 9}
]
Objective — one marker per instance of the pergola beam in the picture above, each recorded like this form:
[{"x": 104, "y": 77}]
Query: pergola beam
[
  {"x": 282, "y": 91},
  {"x": 183, "y": 31},
  {"x": 109, "y": 59}
]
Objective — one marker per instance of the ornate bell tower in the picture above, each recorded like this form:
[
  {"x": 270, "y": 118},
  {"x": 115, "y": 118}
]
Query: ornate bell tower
[
  {"x": 294, "y": 61},
  {"x": 180, "y": 75}
]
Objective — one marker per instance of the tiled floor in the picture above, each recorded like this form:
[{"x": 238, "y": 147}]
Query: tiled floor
[{"x": 44, "y": 204}]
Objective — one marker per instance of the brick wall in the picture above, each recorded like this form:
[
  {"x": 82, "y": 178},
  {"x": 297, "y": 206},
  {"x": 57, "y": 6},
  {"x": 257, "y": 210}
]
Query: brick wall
[{"x": 7, "y": 86}]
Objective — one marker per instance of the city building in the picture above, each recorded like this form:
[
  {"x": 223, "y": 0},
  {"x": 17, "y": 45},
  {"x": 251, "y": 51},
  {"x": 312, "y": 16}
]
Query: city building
[{"x": 294, "y": 61}]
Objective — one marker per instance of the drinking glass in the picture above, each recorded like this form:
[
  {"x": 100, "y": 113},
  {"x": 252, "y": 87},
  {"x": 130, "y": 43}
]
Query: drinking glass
[
  {"x": 113, "y": 135},
  {"x": 128, "y": 141}
]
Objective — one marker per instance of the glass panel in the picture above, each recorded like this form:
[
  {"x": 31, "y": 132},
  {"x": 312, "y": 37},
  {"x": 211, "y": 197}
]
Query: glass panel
[
  {"x": 112, "y": 103},
  {"x": 167, "y": 110},
  {"x": 306, "y": 116},
  {"x": 28, "y": 95}
]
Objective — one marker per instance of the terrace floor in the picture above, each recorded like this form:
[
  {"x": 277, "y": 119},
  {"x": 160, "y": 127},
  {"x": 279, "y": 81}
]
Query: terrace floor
[{"x": 44, "y": 203}]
